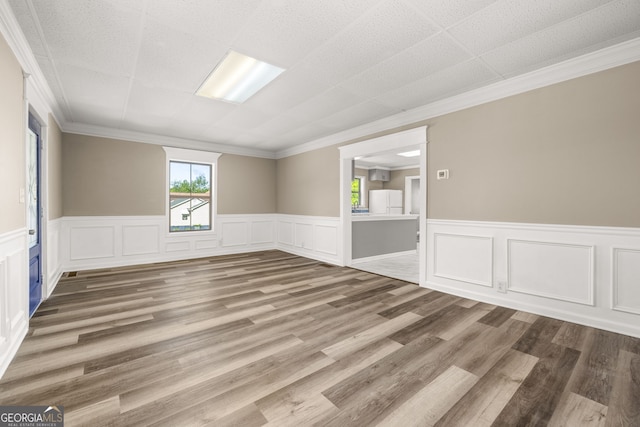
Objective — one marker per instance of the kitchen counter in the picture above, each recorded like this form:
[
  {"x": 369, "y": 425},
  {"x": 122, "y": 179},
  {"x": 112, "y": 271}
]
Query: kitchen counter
[
  {"x": 374, "y": 217},
  {"x": 377, "y": 235}
]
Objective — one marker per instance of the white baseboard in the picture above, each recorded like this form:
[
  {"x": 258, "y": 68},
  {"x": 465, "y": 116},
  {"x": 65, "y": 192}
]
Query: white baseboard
[{"x": 586, "y": 275}]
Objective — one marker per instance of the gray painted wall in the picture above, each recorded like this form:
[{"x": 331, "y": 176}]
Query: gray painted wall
[{"x": 371, "y": 238}]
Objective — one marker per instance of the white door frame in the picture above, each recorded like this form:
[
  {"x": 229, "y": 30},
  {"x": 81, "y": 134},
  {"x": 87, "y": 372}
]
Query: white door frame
[{"x": 414, "y": 138}]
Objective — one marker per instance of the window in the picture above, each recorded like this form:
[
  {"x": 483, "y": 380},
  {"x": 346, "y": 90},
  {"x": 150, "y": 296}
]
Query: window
[
  {"x": 189, "y": 196},
  {"x": 356, "y": 193},
  {"x": 191, "y": 190}
]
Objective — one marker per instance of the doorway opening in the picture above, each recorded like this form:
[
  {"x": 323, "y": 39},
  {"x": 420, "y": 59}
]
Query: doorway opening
[{"x": 351, "y": 221}]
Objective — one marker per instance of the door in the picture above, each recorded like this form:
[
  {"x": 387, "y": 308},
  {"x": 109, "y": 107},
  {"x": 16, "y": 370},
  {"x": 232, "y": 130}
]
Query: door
[{"x": 34, "y": 217}]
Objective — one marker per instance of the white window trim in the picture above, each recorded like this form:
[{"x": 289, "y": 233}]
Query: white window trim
[{"x": 192, "y": 156}]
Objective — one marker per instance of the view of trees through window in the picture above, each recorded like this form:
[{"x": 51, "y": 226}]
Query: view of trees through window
[
  {"x": 356, "y": 193},
  {"x": 189, "y": 196}
]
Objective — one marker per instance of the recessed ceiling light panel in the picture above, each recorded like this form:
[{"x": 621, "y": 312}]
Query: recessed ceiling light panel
[
  {"x": 414, "y": 153},
  {"x": 237, "y": 78}
]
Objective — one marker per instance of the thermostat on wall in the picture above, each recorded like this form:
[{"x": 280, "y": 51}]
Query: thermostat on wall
[{"x": 443, "y": 174}]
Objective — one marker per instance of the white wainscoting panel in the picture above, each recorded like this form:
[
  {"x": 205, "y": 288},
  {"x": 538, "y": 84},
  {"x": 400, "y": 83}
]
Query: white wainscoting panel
[
  {"x": 53, "y": 260},
  {"x": 626, "y": 280},
  {"x": 248, "y": 232},
  {"x": 313, "y": 237},
  {"x": 4, "y": 302},
  {"x": 326, "y": 238},
  {"x": 587, "y": 275},
  {"x": 18, "y": 309},
  {"x": 552, "y": 270},
  {"x": 285, "y": 233},
  {"x": 178, "y": 246},
  {"x": 101, "y": 242},
  {"x": 465, "y": 258},
  {"x": 262, "y": 232},
  {"x": 304, "y": 235},
  {"x": 14, "y": 294},
  {"x": 89, "y": 242},
  {"x": 140, "y": 239},
  {"x": 205, "y": 244},
  {"x": 235, "y": 234}
]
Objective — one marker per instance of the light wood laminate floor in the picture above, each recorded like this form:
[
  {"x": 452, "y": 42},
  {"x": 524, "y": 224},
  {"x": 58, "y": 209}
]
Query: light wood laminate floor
[{"x": 273, "y": 339}]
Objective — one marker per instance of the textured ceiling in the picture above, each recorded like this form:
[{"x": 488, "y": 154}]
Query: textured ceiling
[{"x": 136, "y": 64}]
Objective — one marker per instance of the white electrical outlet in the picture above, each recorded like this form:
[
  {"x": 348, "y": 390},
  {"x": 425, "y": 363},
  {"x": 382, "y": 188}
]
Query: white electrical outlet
[{"x": 502, "y": 287}]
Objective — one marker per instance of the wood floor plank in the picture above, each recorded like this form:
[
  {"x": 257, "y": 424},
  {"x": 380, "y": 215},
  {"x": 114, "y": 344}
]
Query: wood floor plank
[
  {"x": 466, "y": 319},
  {"x": 524, "y": 316},
  {"x": 373, "y": 393},
  {"x": 84, "y": 353},
  {"x": 572, "y": 336},
  {"x": 538, "y": 337},
  {"x": 412, "y": 304},
  {"x": 577, "y": 410},
  {"x": 183, "y": 379},
  {"x": 596, "y": 369},
  {"x": 434, "y": 324},
  {"x": 436, "y": 305},
  {"x": 353, "y": 343},
  {"x": 539, "y": 394},
  {"x": 16, "y": 389},
  {"x": 488, "y": 397},
  {"x": 96, "y": 414},
  {"x": 271, "y": 338},
  {"x": 497, "y": 316},
  {"x": 624, "y": 404},
  {"x": 492, "y": 346},
  {"x": 397, "y": 299},
  {"x": 285, "y": 402},
  {"x": 248, "y": 416},
  {"x": 204, "y": 403},
  {"x": 310, "y": 411},
  {"x": 429, "y": 404},
  {"x": 406, "y": 289}
]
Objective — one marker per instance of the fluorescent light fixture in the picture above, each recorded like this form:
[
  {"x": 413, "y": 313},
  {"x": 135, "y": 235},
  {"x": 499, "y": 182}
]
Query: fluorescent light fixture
[
  {"x": 237, "y": 78},
  {"x": 414, "y": 153}
]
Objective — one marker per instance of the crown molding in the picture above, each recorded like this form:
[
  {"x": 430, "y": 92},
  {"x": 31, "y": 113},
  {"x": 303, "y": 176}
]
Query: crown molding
[
  {"x": 610, "y": 57},
  {"x": 169, "y": 141},
  {"x": 16, "y": 40}
]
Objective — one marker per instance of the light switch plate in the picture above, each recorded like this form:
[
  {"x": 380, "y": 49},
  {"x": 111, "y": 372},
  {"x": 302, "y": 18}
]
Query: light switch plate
[{"x": 443, "y": 174}]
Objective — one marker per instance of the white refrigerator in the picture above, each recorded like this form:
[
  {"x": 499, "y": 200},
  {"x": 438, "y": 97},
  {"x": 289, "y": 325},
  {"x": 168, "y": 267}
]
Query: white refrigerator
[{"x": 385, "y": 202}]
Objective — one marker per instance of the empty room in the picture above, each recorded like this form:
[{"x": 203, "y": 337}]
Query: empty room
[{"x": 331, "y": 213}]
